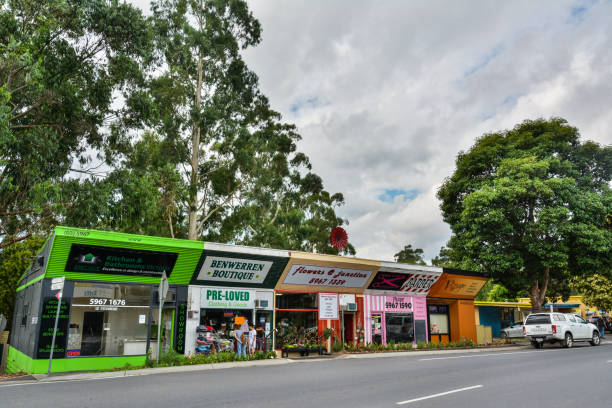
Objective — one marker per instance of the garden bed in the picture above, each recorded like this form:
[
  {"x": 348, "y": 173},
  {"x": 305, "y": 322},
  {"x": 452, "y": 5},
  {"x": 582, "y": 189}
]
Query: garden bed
[{"x": 304, "y": 351}]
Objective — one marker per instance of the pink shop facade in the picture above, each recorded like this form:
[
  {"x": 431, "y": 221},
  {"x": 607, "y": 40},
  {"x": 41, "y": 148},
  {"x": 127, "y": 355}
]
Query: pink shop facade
[{"x": 395, "y": 303}]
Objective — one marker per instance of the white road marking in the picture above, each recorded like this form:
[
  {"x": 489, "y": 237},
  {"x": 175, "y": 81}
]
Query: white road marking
[
  {"x": 439, "y": 395},
  {"x": 609, "y": 361},
  {"x": 34, "y": 382},
  {"x": 485, "y": 355}
]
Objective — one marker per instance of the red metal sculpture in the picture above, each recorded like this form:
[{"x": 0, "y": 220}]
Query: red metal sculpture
[{"x": 338, "y": 238}]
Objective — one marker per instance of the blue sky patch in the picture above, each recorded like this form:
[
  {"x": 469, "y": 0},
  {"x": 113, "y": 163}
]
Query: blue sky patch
[
  {"x": 507, "y": 104},
  {"x": 578, "y": 11},
  {"x": 312, "y": 102},
  {"x": 484, "y": 61},
  {"x": 389, "y": 195}
]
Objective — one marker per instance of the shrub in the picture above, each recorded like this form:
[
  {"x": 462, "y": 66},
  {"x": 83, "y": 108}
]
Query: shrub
[
  {"x": 421, "y": 345},
  {"x": 465, "y": 342},
  {"x": 327, "y": 332}
]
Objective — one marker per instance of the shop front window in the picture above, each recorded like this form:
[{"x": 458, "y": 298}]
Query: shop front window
[
  {"x": 296, "y": 300},
  {"x": 296, "y": 319},
  {"x": 400, "y": 327},
  {"x": 108, "y": 320},
  {"x": 438, "y": 319},
  {"x": 296, "y": 328}
]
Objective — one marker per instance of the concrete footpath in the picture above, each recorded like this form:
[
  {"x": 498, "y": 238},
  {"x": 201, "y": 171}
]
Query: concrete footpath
[{"x": 87, "y": 376}]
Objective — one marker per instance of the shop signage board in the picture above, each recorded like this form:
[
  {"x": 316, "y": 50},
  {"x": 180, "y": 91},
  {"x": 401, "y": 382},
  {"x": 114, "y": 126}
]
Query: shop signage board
[
  {"x": 94, "y": 291},
  {"x": 457, "y": 285},
  {"x": 398, "y": 304},
  {"x": 419, "y": 283},
  {"x": 47, "y": 324},
  {"x": 416, "y": 283},
  {"x": 314, "y": 275},
  {"x": 181, "y": 324},
  {"x": 419, "y": 307},
  {"x": 328, "y": 306},
  {"x": 225, "y": 298},
  {"x": 57, "y": 283},
  {"x": 221, "y": 269},
  {"x": 119, "y": 261}
]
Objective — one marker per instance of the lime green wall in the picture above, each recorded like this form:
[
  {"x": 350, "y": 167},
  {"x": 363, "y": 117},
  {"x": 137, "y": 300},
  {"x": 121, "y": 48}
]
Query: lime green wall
[
  {"x": 19, "y": 362},
  {"x": 189, "y": 253}
]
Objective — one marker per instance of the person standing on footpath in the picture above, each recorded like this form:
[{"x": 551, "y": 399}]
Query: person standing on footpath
[
  {"x": 608, "y": 323},
  {"x": 239, "y": 341},
  {"x": 601, "y": 324},
  {"x": 252, "y": 339}
]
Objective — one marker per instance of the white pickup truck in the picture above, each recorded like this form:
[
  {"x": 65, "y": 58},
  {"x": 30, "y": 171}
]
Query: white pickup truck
[{"x": 542, "y": 328}]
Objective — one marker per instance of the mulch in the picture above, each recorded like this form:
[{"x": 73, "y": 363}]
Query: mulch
[{"x": 16, "y": 376}]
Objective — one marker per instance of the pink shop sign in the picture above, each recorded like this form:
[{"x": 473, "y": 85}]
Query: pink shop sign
[{"x": 398, "y": 304}]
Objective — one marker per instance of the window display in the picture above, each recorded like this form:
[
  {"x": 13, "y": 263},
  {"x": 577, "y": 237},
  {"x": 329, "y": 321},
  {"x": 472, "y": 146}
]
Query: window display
[
  {"x": 438, "y": 319},
  {"x": 296, "y": 328},
  {"x": 108, "y": 320},
  {"x": 400, "y": 327}
]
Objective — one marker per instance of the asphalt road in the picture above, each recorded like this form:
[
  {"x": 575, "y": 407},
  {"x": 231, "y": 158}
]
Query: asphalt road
[{"x": 553, "y": 377}]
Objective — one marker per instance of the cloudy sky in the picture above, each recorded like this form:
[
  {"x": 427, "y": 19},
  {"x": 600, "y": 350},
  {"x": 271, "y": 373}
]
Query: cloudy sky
[{"x": 385, "y": 94}]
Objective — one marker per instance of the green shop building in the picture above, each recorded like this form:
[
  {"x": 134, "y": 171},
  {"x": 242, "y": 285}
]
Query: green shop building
[{"x": 107, "y": 286}]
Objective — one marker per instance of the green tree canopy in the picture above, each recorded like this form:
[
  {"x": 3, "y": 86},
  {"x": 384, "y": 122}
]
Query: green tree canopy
[
  {"x": 62, "y": 65},
  {"x": 410, "y": 255},
  {"x": 233, "y": 165},
  {"x": 528, "y": 208},
  {"x": 14, "y": 261},
  {"x": 155, "y": 126},
  {"x": 596, "y": 290},
  {"x": 444, "y": 258}
]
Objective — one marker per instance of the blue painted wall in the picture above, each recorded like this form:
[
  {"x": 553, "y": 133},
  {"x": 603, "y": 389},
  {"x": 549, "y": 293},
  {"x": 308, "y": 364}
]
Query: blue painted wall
[{"x": 490, "y": 316}]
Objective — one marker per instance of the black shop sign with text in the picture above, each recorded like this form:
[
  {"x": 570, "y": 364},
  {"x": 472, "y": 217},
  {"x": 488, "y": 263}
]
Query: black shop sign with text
[{"x": 119, "y": 261}]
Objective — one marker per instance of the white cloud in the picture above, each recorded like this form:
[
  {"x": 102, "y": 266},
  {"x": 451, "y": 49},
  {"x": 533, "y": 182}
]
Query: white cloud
[{"x": 386, "y": 94}]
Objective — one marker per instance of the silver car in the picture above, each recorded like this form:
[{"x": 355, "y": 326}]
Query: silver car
[{"x": 512, "y": 331}]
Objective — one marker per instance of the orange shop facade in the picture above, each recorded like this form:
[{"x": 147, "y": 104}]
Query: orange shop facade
[
  {"x": 307, "y": 279},
  {"x": 450, "y": 306}
]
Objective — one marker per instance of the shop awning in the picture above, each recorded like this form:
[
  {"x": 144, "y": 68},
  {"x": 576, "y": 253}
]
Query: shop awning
[{"x": 561, "y": 306}]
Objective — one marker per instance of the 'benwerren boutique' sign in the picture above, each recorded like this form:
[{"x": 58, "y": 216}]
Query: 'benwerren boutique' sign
[
  {"x": 220, "y": 298},
  {"x": 312, "y": 275},
  {"x": 234, "y": 270}
]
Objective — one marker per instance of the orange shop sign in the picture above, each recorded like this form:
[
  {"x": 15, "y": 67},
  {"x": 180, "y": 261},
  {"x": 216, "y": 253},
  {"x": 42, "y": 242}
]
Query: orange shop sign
[{"x": 456, "y": 285}]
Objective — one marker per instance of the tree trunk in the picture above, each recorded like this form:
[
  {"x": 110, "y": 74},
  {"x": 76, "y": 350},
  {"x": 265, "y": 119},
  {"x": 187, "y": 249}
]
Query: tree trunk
[
  {"x": 195, "y": 161},
  {"x": 537, "y": 293}
]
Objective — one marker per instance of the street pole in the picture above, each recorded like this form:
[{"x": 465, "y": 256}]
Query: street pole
[
  {"x": 159, "y": 323},
  {"x": 162, "y": 292},
  {"x": 342, "y": 328},
  {"x": 57, "y": 313}
]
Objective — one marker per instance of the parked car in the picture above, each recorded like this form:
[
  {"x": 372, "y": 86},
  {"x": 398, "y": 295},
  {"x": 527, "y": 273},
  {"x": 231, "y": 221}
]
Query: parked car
[
  {"x": 514, "y": 330},
  {"x": 543, "y": 328}
]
